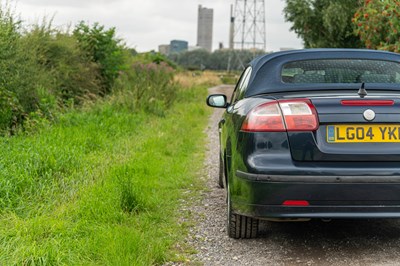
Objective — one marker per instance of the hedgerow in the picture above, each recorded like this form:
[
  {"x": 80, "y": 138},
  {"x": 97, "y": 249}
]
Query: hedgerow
[{"x": 44, "y": 70}]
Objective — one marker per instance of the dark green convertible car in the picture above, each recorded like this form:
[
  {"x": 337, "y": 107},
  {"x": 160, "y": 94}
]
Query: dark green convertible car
[{"x": 311, "y": 134}]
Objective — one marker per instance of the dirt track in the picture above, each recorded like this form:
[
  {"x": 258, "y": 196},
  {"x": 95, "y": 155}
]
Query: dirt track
[{"x": 340, "y": 242}]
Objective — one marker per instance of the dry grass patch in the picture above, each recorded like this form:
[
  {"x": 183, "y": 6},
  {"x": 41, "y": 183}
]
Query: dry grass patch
[{"x": 197, "y": 78}]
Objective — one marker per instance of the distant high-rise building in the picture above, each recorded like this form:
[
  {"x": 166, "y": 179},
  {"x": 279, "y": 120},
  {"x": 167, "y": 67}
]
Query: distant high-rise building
[
  {"x": 164, "y": 49},
  {"x": 205, "y": 28},
  {"x": 178, "y": 46}
]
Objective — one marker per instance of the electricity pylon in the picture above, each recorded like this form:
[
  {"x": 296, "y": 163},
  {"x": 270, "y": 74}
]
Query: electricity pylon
[
  {"x": 248, "y": 25},
  {"x": 247, "y": 29}
]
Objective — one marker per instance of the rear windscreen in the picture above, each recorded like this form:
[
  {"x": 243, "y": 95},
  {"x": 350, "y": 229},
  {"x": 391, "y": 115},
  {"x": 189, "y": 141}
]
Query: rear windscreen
[{"x": 341, "y": 71}]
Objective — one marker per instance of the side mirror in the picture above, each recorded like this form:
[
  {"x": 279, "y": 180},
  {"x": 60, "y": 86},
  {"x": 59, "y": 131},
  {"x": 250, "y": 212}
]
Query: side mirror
[{"x": 217, "y": 101}]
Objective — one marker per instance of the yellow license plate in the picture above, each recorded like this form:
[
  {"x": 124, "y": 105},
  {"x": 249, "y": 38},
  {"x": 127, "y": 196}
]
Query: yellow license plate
[{"x": 363, "y": 133}]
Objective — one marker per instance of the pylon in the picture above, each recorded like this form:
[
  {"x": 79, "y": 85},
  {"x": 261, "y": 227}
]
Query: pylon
[{"x": 248, "y": 24}]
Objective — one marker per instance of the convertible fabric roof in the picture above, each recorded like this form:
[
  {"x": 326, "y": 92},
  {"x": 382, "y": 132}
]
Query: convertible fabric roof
[{"x": 266, "y": 74}]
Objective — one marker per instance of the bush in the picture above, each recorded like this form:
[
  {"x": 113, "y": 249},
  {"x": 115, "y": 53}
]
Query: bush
[
  {"x": 68, "y": 73},
  {"x": 10, "y": 110},
  {"x": 44, "y": 70},
  {"x": 102, "y": 47},
  {"x": 17, "y": 82},
  {"x": 153, "y": 57}
]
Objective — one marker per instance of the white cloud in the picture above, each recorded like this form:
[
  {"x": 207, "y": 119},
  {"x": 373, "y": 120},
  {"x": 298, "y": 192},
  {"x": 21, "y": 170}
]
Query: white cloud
[
  {"x": 144, "y": 24},
  {"x": 69, "y": 3}
]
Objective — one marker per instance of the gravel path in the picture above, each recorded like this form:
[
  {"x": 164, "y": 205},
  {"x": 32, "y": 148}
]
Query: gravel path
[{"x": 340, "y": 242}]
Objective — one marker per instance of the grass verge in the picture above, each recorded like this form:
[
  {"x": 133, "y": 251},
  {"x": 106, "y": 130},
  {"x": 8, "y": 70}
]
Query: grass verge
[{"x": 101, "y": 186}]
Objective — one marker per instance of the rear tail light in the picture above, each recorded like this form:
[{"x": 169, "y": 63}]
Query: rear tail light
[
  {"x": 282, "y": 115},
  {"x": 265, "y": 117}
]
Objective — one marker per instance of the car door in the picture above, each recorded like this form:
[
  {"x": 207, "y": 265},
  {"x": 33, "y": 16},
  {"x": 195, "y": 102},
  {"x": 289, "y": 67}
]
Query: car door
[{"x": 228, "y": 124}]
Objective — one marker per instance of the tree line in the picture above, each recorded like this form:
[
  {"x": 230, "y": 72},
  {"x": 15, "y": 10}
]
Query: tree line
[
  {"x": 320, "y": 24},
  {"x": 224, "y": 59}
]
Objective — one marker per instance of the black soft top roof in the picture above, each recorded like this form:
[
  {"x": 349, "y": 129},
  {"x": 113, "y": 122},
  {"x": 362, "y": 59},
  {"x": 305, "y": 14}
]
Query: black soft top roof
[{"x": 266, "y": 74}]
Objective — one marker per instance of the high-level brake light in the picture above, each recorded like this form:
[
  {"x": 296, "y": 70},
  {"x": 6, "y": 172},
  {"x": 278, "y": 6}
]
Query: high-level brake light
[
  {"x": 367, "y": 102},
  {"x": 282, "y": 115}
]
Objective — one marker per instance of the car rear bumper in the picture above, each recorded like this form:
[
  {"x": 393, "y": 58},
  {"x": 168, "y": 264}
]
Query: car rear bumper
[
  {"x": 320, "y": 212},
  {"x": 319, "y": 179},
  {"x": 262, "y": 196}
]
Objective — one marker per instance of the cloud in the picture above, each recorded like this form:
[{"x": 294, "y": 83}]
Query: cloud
[
  {"x": 69, "y": 3},
  {"x": 145, "y": 24}
]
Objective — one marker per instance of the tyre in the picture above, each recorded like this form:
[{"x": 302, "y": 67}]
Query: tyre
[
  {"x": 240, "y": 226},
  {"x": 221, "y": 175}
]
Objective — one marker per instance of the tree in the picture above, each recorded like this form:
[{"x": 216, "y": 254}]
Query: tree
[
  {"x": 194, "y": 60},
  {"x": 323, "y": 23},
  {"x": 378, "y": 24},
  {"x": 103, "y": 47}
]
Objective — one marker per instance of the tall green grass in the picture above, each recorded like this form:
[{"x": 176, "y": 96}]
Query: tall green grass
[
  {"x": 102, "y": 185},
  {"x": 103, "y": 148}
]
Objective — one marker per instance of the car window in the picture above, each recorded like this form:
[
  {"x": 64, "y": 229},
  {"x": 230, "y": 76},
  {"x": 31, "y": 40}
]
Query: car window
[
  {"x": 242, "y": 85},
  {"x": 341, "y": 71}
]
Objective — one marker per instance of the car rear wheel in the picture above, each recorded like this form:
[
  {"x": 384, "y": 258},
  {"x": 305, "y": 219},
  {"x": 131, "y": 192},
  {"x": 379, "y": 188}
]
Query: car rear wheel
[{"x": 240, "y": 226}]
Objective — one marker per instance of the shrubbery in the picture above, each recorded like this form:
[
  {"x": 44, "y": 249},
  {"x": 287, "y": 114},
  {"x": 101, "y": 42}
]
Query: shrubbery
[
  {"x": 378, "y": 26},
  {"x": 44, "y": 70},
  {"x": 62, "y": 70},
  {"x": 102, "y": 47}
]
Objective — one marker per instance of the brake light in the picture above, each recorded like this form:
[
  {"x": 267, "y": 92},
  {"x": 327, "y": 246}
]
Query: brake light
[
  {"x": 282, "y": 115},
  {"x": 295, "y": 203},
  {"x": 367, "y": 102}
]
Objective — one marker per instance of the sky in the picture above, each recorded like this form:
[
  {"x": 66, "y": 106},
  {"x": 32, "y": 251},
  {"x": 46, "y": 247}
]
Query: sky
[{"x": 145, "y": 24}]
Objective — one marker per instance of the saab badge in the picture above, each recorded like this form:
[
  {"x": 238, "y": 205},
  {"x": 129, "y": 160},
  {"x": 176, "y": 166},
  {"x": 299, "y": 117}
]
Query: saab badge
[{"x": 369, "y": 115}]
